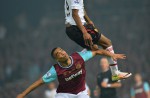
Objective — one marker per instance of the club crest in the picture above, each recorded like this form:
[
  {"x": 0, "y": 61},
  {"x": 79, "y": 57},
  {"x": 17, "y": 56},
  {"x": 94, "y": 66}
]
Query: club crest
[{"x": 78, "y": 66}]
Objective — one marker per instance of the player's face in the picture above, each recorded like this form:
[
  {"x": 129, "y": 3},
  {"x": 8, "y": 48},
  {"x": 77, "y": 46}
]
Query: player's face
[
  {"x": 104, "y": 64},
  {"x": 138, "y": 78},
  {"x": 60, "y": 55}
]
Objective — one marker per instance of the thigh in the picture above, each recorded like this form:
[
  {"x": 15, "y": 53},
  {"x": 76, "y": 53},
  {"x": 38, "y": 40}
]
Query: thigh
[{"x": 104, "y": 41}]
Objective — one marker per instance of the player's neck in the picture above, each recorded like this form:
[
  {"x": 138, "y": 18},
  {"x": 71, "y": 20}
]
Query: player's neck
[
  {"x": 139, "y": 83},
  {"x": 104, "y": 70},
  {"x": 66, "y": 63}
]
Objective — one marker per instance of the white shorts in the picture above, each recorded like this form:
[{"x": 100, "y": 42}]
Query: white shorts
[{"x": 82, "y": 94}]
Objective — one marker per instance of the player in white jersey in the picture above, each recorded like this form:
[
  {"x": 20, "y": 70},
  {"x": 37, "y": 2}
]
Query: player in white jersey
[{"x": 81, "y": 29}]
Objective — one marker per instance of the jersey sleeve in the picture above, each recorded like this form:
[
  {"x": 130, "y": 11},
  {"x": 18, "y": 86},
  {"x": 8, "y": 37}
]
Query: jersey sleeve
[
  {"x": 75, "y": 4},
  {"x": 132, "y": 93},
  {"x": 50, "y": 76},
  {"x": 146, "y": 87},
  {"x": 86, "y": 55}
]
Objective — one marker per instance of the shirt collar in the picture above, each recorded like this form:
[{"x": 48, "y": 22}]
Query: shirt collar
[{"x": 68, "y": 65}]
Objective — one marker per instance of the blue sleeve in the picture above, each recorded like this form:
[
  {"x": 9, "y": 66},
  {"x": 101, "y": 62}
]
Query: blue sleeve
[
  {"x": 132, "y": 92},
  {"x": 86, "y": 55},
  {"x": 50, "y": 76},
  {"x": 146, "y": 87}
]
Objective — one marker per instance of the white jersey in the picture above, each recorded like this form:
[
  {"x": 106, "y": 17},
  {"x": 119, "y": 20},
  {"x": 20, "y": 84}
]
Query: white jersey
[{"x": 74, "y": 4}]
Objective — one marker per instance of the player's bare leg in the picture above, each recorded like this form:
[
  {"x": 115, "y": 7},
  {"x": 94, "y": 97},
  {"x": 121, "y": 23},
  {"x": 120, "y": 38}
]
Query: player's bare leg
[{"x": 117, "y": 75}]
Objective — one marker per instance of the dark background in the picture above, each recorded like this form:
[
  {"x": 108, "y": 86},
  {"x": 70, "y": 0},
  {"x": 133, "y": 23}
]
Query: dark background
[{"x": 29, "y": 29}]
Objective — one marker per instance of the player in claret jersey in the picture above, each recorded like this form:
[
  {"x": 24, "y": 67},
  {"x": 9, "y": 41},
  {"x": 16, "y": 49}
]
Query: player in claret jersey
[
  {"x": 70, "y": 72},
  {"x": 81, "y": 30}
]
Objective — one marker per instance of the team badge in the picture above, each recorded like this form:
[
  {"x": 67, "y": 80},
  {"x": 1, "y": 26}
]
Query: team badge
[
  {"x": 65, "y": 73},
  {"x": 78, "y": 66}
]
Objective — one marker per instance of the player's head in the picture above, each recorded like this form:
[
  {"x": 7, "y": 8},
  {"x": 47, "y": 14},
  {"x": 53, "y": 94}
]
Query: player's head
[
  {"x": 138, "y": 78},
  {"x": 59, "y": 54},
  {"x": 104, "y": 64}
]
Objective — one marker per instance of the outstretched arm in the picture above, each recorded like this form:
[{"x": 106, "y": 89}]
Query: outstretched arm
[
  {"x": 107, "y": 53},
  {"x": 31, "y": 88},
  {"x": 111, "y": 85},
  {"x": 88, "y": 54},
  {"x": 50, "y": 76},
  {"x": 87, "y": 19}
]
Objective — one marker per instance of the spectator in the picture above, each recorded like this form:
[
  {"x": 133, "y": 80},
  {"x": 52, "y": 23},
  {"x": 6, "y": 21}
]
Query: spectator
[{"x": 140, "y": 89}]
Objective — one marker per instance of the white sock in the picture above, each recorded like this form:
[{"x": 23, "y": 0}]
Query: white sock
[{"x": 113, "y": 63}]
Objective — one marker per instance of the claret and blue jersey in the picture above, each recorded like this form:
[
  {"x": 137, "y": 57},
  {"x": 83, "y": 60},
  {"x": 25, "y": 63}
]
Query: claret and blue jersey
[
  {"x": 140, "y": 90},
  {"x": 72, "y": 78}
]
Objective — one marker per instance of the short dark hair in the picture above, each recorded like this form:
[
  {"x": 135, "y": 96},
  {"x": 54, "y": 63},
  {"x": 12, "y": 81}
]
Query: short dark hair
[{"x": 52, "y": 52}]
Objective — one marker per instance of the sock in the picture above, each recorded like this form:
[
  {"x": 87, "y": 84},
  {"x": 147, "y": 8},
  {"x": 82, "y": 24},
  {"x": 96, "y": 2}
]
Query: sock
[{"x": 113, "y": 63}]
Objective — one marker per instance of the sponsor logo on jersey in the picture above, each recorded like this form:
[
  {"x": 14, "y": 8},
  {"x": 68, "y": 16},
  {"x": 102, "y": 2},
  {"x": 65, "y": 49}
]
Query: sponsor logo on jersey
[{"x": 74, "y": 75}]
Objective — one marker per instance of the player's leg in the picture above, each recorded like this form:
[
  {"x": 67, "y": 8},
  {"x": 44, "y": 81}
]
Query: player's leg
[
  {"x": 106, "y": 44},
  {"x": 103, "y": 41}
]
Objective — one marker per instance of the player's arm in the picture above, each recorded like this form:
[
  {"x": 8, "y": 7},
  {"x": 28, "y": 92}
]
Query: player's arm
[
  {"x": 75, "y": 9},
  {"x": 111, "y": 85},
  {"x": 107, "y": 53},
  {"x": 147, "y": 89},
  {"x": 132, "y": 93},
  {"x": 31, "y": 88},
  {"x": 148, "y": 94},
  {"x": 87, "y": 19},
  {"x": 88, "y": 54},
  {"x": 97, "y": 91},
  {"x": 87, "y": 37},
  {"x": 47, "y": 78},
  {"x": 78, "y": 20}
]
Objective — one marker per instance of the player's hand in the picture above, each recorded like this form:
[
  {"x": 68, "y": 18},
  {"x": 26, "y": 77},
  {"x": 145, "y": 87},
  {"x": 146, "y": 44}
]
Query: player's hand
[
  {"x": 94, "y": 47},
  {"x": 104, "y": 84},
  {"x": 87, "y": 39},
  {"x": 20, "y": 96},
  {"x": 119, "y": 56},
  {"x": 95, "y": 93},
  {"x": 91, "y": 23}
]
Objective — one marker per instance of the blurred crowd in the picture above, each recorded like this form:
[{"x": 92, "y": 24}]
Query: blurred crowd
[{"x": 28, "y": 33}]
